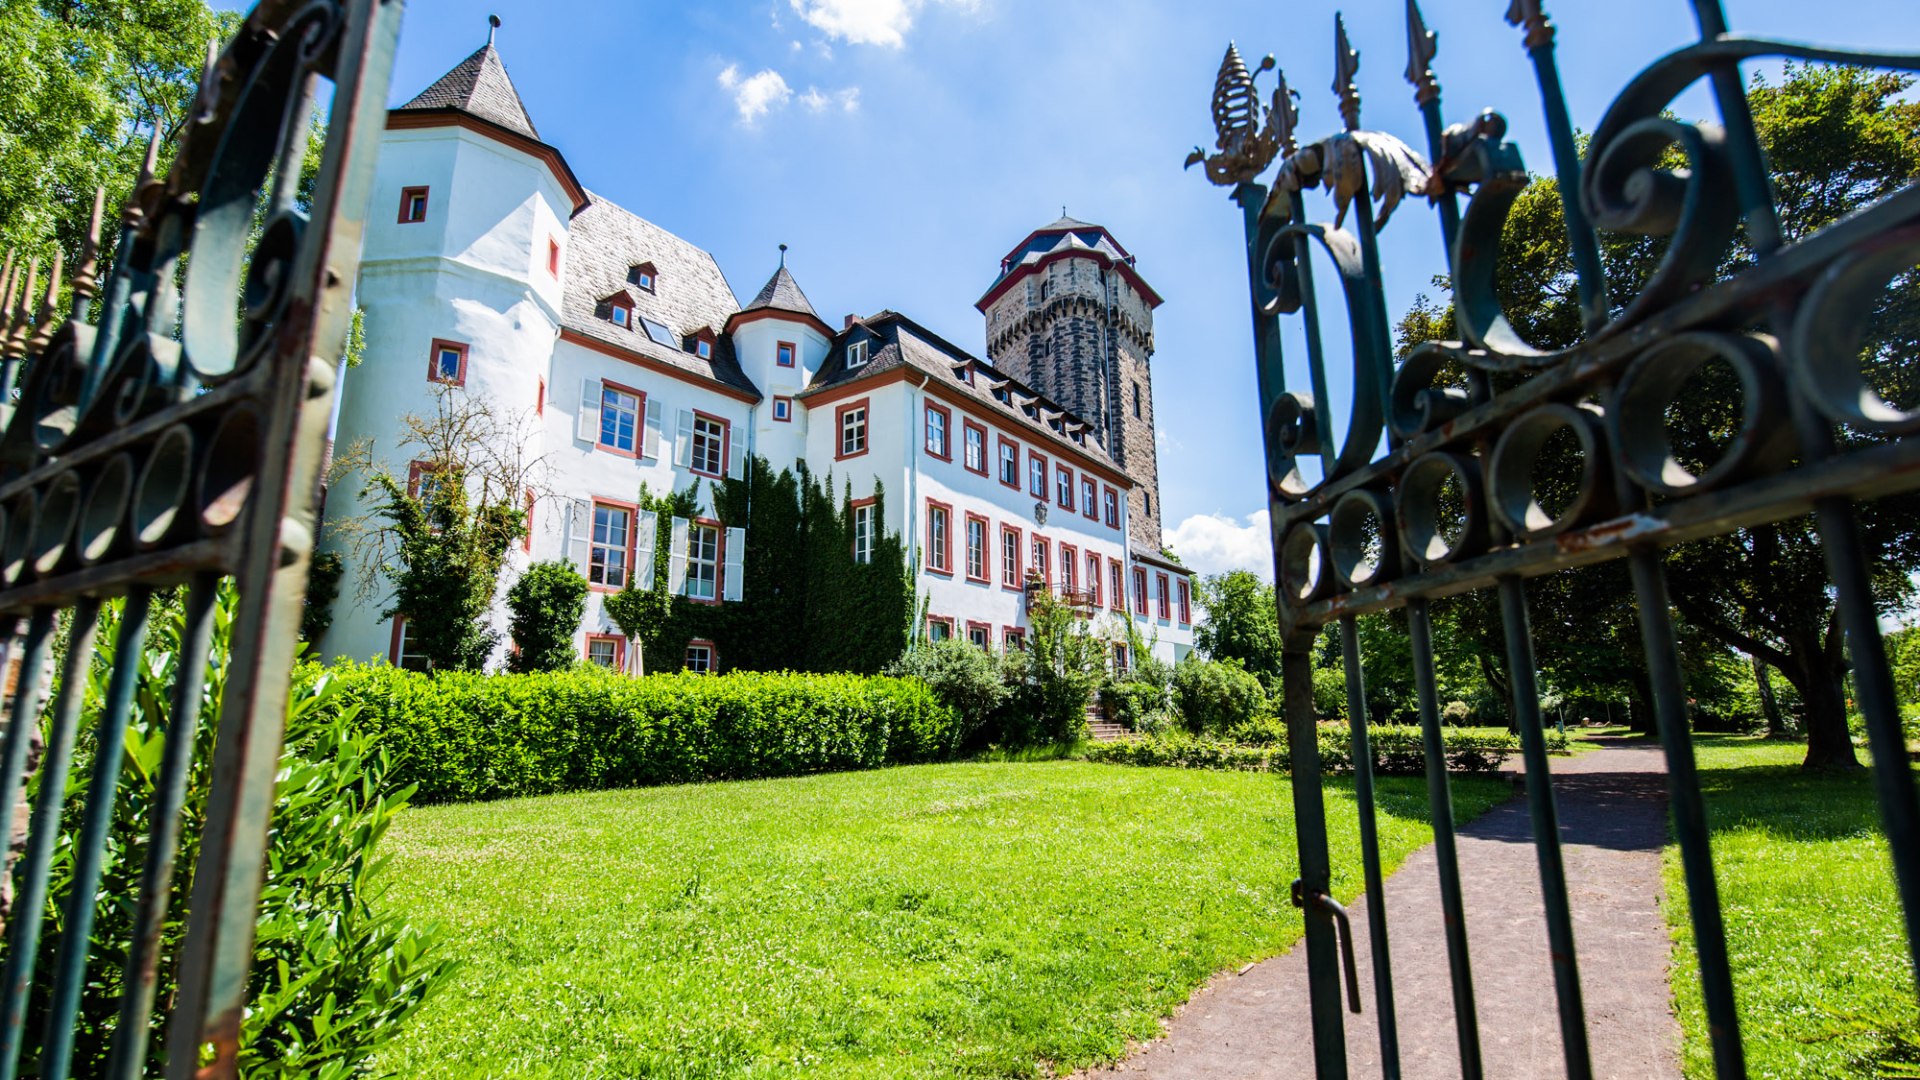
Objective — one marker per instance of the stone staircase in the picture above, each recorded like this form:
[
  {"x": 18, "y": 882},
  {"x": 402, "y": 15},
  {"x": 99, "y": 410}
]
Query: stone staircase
[{"x": 1103, "y": 728}]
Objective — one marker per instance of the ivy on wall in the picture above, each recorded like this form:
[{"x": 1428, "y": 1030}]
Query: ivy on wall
[{"x": 805, "y": 604}]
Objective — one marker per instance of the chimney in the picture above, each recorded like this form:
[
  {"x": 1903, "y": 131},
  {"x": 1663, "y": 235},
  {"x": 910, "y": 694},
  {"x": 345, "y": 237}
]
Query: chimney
[{"x": 848, "y": 325}]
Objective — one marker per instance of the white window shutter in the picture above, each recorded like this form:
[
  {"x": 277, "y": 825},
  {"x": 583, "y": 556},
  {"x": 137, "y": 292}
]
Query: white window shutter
[
  {"x": 650, "y": 445},
  {"x": 579, "y": 532},
  {"x": 644, "y": 540},
  {"x": 736, "y": 558},
  {"x": 588, "y": 420},
  {"x": 683, "y": 443},
  {"x": 677, "y": 559},
  {"x": 736, "y": 461}
]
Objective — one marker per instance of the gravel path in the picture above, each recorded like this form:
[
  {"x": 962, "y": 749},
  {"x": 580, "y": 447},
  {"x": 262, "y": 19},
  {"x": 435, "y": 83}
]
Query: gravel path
[{"x": 1612, "y": 804}]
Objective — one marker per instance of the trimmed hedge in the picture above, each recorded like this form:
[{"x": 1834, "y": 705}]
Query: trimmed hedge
[
  {"x": 1261, "y": 745},
  {"x": 462, "y": 736}
]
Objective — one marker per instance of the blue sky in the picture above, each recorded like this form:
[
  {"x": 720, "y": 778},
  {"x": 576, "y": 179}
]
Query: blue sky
[{"x": 901, "y": 147}]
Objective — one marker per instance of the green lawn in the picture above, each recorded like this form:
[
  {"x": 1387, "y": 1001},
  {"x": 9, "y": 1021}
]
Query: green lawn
[
  {"x": 980, "y": 920},
  {"x": 1821, "y": 976}
]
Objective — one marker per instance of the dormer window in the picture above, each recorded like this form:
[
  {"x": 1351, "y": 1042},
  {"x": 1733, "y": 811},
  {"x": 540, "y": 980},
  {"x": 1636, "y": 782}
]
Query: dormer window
[
  {"x": 617, "y": 309},
  {"x": 857, "y": 354},
  {"x": 703, "y": 343},
  {"x": 642, "y": 276}
]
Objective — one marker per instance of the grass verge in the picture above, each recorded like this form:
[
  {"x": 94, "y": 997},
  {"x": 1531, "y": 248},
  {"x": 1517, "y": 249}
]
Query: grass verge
[
  {"x": 977, "y": 919},
  {"x": 1821, "y": 977}
]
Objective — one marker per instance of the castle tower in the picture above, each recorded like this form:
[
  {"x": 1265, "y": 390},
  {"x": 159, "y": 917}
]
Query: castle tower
[{"x": 1070, "y": 317}]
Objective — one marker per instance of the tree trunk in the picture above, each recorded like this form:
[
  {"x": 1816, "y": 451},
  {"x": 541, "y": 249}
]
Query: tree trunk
[
  {"x": 1769, "y": 706},
  {"x": 1502, "y": 687},
  {"x": 1821, "y": 687},
  {"x": 1640, "y": 718}
]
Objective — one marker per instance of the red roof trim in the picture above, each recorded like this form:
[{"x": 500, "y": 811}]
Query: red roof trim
[
  {"x": 740, "y": 317},
  {"x": 1019, "y": 273},
  {"x": 408, "y": 119}
]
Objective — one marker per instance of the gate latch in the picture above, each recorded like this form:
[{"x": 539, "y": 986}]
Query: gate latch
[{"x": 1319, "y": 901}]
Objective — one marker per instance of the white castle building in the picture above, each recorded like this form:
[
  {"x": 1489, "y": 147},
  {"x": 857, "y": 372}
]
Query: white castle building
[{"x": 489, "y": 268}]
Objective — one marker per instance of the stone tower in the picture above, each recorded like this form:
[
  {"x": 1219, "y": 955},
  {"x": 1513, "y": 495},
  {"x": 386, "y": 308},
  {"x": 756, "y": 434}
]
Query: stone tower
[{"x": 1070, "y": 317}]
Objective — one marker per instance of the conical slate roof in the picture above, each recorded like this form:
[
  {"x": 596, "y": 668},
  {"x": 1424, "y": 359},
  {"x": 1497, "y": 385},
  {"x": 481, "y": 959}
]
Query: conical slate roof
[
  {"x": 782, "y": 293},
  {"x": 479, "y": 85}
]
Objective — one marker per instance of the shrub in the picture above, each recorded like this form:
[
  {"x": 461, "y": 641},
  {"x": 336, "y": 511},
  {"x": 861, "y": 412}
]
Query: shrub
[
  {"x": 1330, "y": 692},
  {"x": 1456, "y": 713},
  {"x": 1052, "y": 680},
  {"x": 1259, "y": 731},
  {"x": 1129, "y": 702},
  {"x": 1399, "y": 751},
  {"x": 547, "y": 603},
  {"x": 463, "y": 736},
  {"x": 1261, "y": 744},
  {"x": 1180, "y": 750},
  {"x": 334, "y": 973},
  {"x": 1214, "y": 695},
  {"x": 968, "y": 679}
]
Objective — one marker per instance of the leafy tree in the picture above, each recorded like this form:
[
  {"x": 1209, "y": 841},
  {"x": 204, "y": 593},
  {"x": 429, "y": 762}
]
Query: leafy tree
[
  {"x": 1214, "y": 695},
  {"x": 547, "y": 603},
  {"x": 324, "y": 572},
  {"x": 1054, "y": 678},
  {"x": 1239, "y": 622},
  {"x": 1835, "y": 138},
  {"x": 642, "y": 614},
  {"x": 82, "y": 84},
  {"x": 440, "y": 536}
]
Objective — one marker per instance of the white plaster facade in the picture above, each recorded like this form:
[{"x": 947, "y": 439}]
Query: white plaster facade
[{"x": 576, "y": 317}]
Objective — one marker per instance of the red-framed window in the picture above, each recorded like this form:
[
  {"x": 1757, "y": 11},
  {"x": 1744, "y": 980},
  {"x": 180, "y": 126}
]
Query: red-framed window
[
  {"x": 980, "y": 634},
  {"x": 1042, "y": 556},
  {"x": 706, "y": 561},
  {"x": 784, "y": 353},
  {"x": 1089, "y": 498},
  {"x": 422, "y": 478},
  {"x": 526, "y": 540},
  {"x": 1010, "y": 463},
  {"x": 413, "y": 205},
  {"x": 1111, "y": 499},
  {"x": 783, "y": 410},
  {"x": 939, "y": 431},
  {"x": 1093, "y": 576},
  {"x": 703, "y": 340},
  {"x": 712, "y": 437},
  {"x": 401, "y": 652},
  {"x": 939, "y": 627},
  {"x": 553, "y": 256},
  {"x": 642, "y": 276},
  {"x": 1013, "y": 637},
  {"x": 1116, "y": 585},
  {"x": 1139, "y": 591},
  {"x": 1119, "y": 658},
  {"x": 623, "y": 411},
  {"x": 1165, "y": 600},
  {"x": 977, "y": 553},
  {"x": 1036, "y": 474},
  {"x": 851, "y": 429},
  {"x": 701, "y": 656},
  {"x": 973, "y": 446},
  {"x": 610, "y": 543},
  {"x": 540, "y": 398},
  {"x": 939, "y": 537},
  {"x": 1011, "y": 571},
  {"x": 866, "y": 524},
  {"x": 618, "y": 310},
  {"x": 1186, "y": 603},
  {"x": 1069, "y": 567},
  {"x": 447, "y": 362},
  {"x": 607, "y": 650},
  {"x": 1063, "y": 487}
]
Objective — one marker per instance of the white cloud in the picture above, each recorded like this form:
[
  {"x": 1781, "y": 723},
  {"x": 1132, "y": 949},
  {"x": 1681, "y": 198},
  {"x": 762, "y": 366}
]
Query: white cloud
[
  {"x": 867, "y": 22},
  {"x": 757, "y": 94},
  {"x": 1216, "y": 543},
  {"x": 817, "y": 100}
]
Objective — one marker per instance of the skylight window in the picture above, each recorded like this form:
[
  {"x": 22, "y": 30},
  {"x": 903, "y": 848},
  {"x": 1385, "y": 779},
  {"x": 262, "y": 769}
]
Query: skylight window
[{"x": 659, "y": 332}]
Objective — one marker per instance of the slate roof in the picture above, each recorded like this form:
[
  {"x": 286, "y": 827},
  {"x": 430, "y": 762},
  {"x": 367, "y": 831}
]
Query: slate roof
[
  {"x": 781, "y": 293},
  {"x": 895, "y": 341},
  {"x": 479, "y": 86},
  {"x": 690, "y": 292},
  {"x": 1145, "y": 554}
]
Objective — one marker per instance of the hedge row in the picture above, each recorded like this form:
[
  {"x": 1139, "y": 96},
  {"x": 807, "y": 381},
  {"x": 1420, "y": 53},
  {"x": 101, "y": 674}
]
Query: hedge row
[
  {"x": 468, "y": 736},
  {"x": 1397, "y": 749}
]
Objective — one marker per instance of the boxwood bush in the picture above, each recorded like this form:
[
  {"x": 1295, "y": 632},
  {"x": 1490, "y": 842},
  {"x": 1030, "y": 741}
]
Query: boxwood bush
[
  {"x": 1397, "y": 749},
  {"x": 462, "y": 736}
]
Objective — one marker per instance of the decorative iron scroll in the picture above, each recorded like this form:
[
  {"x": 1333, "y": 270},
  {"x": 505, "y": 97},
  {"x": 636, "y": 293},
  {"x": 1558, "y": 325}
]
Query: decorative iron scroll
[
  {"x": 1375, "y": 532},
  {"x": 170, "y": 432}
]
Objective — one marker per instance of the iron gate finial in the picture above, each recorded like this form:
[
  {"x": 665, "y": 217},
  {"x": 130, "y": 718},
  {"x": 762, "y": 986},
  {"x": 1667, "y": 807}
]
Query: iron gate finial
[{"x": 1244, "y": 130}]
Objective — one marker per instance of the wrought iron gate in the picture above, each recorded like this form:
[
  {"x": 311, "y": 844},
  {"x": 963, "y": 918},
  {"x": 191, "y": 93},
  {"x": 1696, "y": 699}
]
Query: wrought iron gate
[
  {"x": 1374, "y": 533},
  {"x": 170, "y": 432}
]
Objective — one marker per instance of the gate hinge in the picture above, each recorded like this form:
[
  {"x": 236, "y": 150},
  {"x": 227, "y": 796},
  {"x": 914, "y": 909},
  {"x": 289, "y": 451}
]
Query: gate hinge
[{"x": 1319, "y": 901}]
